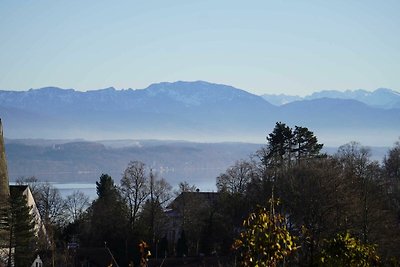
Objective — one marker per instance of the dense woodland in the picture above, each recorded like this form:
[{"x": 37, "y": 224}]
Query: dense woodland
[{"x": 288, "y": 204}]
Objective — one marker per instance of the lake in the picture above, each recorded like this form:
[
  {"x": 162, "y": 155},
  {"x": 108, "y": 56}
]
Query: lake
[{"x": 89, "y": 189}]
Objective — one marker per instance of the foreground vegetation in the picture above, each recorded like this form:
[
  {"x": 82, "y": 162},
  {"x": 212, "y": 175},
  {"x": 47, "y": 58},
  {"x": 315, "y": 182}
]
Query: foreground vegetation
[{"x": 334, "y": 210}]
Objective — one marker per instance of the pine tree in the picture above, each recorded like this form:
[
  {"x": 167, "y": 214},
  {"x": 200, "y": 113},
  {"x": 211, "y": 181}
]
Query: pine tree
[
  {"x": 21, "y": 225},
  {"x": 280, "y": 143},
  {"x": 4, "y": 228},
  {"x": 305, "y": 144},
  {"x": 106, "y": 220}
]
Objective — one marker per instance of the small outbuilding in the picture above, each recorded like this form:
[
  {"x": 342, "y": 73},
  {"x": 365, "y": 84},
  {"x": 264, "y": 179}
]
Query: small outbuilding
[{"x": 37, "y": 262}]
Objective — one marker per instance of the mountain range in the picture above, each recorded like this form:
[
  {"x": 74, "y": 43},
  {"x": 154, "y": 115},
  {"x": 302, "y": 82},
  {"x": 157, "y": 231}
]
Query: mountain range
[
  {"x": 381, "y": 97},
  {"x": 198, "y": 111}
]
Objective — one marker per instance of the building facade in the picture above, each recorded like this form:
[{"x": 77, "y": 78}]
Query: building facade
[{"x": 5, "y": 190}]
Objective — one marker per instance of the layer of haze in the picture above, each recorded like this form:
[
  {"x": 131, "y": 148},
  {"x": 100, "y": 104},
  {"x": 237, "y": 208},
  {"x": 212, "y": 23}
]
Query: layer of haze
[{"x": 292, "y": 47}]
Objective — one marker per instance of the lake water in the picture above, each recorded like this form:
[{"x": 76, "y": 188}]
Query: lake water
[{"x": 89, "y": 189}]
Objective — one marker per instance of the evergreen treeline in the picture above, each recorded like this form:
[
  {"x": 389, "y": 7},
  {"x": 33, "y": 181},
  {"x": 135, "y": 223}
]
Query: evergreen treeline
[{"x": 288, "y": 204}]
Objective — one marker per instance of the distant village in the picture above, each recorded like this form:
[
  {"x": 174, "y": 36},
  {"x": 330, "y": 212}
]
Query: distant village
[{"x": 288, "y": 204}]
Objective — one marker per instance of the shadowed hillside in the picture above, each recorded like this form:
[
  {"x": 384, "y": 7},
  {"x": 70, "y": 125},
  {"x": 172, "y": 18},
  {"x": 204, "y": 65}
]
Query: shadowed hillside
[{"x": 79, "y": 161}]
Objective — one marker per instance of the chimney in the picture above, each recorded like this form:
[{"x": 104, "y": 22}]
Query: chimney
[{"x": 4, "y": 184}]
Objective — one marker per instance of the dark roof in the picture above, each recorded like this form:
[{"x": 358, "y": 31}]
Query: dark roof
[
  {"x": 17, "y": 189},
  {"x": 200, "y": 197}
]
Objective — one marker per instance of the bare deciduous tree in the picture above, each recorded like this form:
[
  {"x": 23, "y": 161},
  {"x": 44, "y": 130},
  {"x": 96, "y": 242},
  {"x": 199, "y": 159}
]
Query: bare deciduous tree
[
  {"x": 135, "y": 189},
  {"x": 236, "y": 178},
  {"x": 50, "y": 204},
  {"x": 75, "y": 204}
]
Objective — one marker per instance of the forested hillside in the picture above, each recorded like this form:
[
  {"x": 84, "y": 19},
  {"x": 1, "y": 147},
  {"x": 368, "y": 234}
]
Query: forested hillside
[{"x": 77, "y": 161}]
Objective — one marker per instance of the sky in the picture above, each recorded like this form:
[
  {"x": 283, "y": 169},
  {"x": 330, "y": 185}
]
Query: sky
[{"x": 265, "y": 47}]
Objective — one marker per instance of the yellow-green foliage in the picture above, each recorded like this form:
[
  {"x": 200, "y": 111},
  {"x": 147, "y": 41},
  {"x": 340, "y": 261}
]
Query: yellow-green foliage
[
  {"x": 265, "y": 240},
  {"x": 345, "y": 250}
]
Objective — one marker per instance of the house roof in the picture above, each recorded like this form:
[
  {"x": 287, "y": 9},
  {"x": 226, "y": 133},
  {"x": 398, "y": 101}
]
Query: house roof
[
  {"x": 18, "y": 188},
  {"x": 200, "y": 198}
]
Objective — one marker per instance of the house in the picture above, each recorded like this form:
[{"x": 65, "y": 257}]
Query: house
[
  {"x": 5, "y": 190},
  {"x": 37, "y": 262},
  {"x": 187, "y": 208},
  {"x": 25, "y": 191}
]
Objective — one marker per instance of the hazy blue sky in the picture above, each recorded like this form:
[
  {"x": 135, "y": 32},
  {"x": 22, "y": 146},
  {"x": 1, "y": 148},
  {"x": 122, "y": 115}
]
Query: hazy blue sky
[{"x": 293, "y": 47}]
